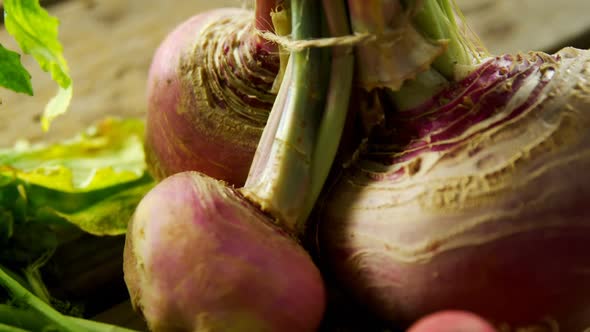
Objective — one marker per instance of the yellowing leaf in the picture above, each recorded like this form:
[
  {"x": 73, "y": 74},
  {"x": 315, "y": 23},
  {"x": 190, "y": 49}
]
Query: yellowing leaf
[
  {"x": 93, "y": 181},
  {"x": 105, "y": 155},
  {"x": 58, "y": 105}
]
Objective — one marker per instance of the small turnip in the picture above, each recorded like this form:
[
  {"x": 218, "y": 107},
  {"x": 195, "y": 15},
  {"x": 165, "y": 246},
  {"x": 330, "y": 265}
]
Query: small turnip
[
  {"x": 451, "y": 321},
  {"x": 199, "y": 257},
  {"x": 209, "y": 95}
]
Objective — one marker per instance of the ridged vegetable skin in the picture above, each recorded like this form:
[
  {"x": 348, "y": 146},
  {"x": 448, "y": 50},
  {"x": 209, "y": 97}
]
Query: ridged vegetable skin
[
  {"x": 475, "y": 200},
  {"x": 209, "y": 96}
]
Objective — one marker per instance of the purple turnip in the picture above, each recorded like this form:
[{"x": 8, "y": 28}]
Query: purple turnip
[
  {"x": 201, "y": 255},
  {"x": 451, "y": 321},
  {"x": 209, "y": 94},
  {"x": 472, "y": 198}
]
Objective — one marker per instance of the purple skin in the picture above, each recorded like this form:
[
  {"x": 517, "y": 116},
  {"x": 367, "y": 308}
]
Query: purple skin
[
  {"x": 199, "y": 257},
  {"x": 205, "y": 115},
  {"x": 452, "y": 321},
  {"x": 482, "y": 205}
]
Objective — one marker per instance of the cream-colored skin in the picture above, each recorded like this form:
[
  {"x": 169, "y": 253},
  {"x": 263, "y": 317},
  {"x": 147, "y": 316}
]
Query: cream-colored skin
[{"x": 514, "y": 189}]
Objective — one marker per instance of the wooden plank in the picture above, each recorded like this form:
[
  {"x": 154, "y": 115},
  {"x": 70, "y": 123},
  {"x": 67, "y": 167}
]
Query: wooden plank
[{"x": 523, "y": 25}]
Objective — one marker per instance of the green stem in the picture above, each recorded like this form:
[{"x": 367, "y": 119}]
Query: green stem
[
  {"x": 43, "y": 312},
  {"x": 281, "y": 21},
  {"x": 301, "y": 138},
  {"x": 436, "y": 20},
  {"x": 94, "y": 326},
  {"x": 21, "y": 318},
  {"x": 332, "y": 123},
  {"x": 7, "y": 328},
  {"x": 34, "y": 279},
  {"x": 20, "y": 293},
  {"x": 280, "y": 178}
]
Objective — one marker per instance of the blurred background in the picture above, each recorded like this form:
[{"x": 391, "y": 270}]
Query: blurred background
[{"x": 109, "y": 44}]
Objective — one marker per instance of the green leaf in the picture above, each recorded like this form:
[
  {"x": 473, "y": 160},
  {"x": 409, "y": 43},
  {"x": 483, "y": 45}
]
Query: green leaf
[
  {"x": 105, "y": 155},
  {"x": 93, "y": 181},
  {"x": 37, "y": 34},
  {"x": 13, "y": 75},
  {"x": 111, "y": 215}
]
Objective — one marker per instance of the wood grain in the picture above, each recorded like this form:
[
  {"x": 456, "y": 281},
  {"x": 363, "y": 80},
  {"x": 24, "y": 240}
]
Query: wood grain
[{"x": 522, "y": 25}]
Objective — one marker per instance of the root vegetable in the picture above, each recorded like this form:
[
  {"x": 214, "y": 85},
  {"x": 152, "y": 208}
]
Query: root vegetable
[
  {"x": 468, "y": 191},
  {"x": 473, "y": 198},
  {"x": 451, "y": 321},
  {"x": 209, "y": 95},
  {"x": 203, "y": 256},
  {"x": 476, "y": 201},
  {"x": 200, "y": 257}
]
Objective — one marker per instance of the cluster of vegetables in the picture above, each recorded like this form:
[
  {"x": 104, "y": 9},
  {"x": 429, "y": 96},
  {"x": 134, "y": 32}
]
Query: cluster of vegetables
[
  {"x": 451, "y": 187},
  {"x": 313, "y": 153}
]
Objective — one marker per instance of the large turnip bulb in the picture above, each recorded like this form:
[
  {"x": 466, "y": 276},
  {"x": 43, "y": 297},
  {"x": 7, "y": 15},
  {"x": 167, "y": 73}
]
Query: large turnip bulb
[{"x": 476, "y": 200}]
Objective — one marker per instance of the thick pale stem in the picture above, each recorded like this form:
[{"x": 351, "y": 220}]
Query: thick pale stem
[
  {"x": 263, "y": 152},
  {"x": 436, "y": 20},
  {"x": 408, "y": 37},
  {"x": 280, "y": 180},
  {"x": 302, "y": 135}
]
